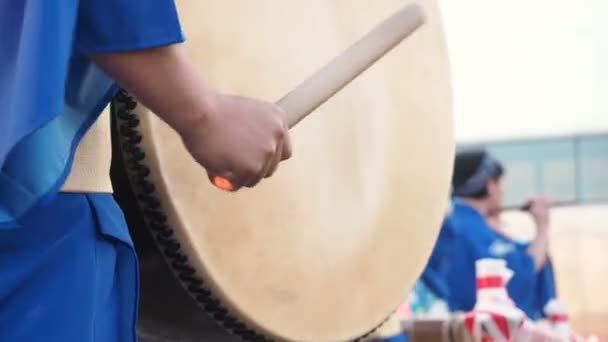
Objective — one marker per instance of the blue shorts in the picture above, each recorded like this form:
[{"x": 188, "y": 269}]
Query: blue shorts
[{"x": 68, "y": 272}]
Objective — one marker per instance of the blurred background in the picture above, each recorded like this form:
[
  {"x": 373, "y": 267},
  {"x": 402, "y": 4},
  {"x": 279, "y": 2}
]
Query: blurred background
[{"x": 530, "y": 81}]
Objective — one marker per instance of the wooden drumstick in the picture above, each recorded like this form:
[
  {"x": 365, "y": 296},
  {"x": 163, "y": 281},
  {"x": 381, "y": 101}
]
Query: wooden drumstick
[{"x": 339, "y": 72}]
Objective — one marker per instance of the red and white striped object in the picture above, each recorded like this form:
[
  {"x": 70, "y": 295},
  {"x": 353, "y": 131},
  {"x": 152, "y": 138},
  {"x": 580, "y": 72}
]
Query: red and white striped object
[
  {"x": 496, "y": 318},
  {"x": 558, "y": 317}
]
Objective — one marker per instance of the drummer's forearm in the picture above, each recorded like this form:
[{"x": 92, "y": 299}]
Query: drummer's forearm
[
  {"x": 539, "y": 249},
  {"x": 164, "y": 80}
]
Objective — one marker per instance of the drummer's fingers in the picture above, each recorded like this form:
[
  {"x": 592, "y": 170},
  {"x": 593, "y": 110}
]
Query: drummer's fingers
[
  {"x": 286, "y": 152},
  {"x": 274, "y": 163},
  {"x": 253, "y": 180},
  {"x": 283, "y": 153},
  {"x": 257, "y": 173}
]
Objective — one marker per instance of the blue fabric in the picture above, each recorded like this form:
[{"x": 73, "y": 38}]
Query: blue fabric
[
  {"x": 69, "y": 273},
  {"x": 50, "y": 92},
  {"x": 396, "y": 338},
  {"x": 423, "y": 299},
  {"x": 434, "y": 274},
  {"x": 473, "y": 239},
  {"x": 545, "y": 289}
]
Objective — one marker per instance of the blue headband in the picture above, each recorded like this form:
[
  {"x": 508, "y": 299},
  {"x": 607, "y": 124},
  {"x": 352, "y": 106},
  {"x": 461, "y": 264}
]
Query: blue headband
[{"x": 486, "y": 170}]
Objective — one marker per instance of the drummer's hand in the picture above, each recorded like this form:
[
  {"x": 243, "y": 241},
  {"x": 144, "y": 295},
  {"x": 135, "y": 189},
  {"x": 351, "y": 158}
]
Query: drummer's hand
[
  {"x": 240, "y": 139},
  {"x": 539, "y": 208}
]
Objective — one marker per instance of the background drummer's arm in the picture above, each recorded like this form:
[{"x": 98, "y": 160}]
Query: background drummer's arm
[
  {"x": 539, "y": 208},
  {"x": 539, "y": 248},
  {"x": 165, "y": 80}
]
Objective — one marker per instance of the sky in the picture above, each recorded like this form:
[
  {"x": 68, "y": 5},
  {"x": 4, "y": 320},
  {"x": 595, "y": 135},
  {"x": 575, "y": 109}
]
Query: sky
[{"x": 527, "y": 68}]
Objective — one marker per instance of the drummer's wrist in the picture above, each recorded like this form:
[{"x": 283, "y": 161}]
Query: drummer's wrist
[
  {"x": 192, "y": 117},
  {"x": 193, "y": 121}
]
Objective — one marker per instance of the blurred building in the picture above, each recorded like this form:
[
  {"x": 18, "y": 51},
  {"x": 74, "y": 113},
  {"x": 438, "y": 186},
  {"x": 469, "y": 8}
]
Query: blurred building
[
  {"x": 527, "y": 68},
  {"x": 574, "y": 172},
  {"x": 530, "y": 82}
]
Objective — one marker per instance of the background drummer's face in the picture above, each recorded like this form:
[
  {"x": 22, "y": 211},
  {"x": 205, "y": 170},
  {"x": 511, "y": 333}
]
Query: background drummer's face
[{"x": 495, "y": 194}]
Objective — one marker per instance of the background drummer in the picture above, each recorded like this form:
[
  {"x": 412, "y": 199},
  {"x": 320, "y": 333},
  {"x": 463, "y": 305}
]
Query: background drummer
[
  {"x": 472, "y": 231},
  {"x": 67, "y": 265}
]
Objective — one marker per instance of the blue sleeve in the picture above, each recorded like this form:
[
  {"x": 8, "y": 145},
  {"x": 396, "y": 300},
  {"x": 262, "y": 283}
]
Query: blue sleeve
[
  {"x": 522, "y": 264},
  {"x": 461, "y": 276},
  {"x": 523, "y": 284},
  {"x": 435, "y": 272},
  {"x": 545, "y": 287},
  {"x": 124, "y": 25}
]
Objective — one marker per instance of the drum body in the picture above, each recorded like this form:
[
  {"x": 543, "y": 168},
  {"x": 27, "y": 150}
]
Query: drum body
[
  {"x": 328, "y": 247},
  {"x": 167, "y": 313}
]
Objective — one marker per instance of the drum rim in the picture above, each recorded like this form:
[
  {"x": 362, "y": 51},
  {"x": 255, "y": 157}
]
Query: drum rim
[{"x": 122, "y": 108}]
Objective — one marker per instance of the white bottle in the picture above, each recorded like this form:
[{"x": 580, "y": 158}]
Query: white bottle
[
  {"x": 493, "y": 302},
  {"x": 557, "y": 314},
  {"x": 492, "y": 276}
]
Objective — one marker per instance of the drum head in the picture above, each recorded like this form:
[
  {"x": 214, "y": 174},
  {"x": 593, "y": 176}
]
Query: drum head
[{"x": 327, "y": 248}]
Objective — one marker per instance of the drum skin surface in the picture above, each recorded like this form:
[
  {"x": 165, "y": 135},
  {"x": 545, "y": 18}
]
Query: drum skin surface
[{"x": 329, "y": 246}]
